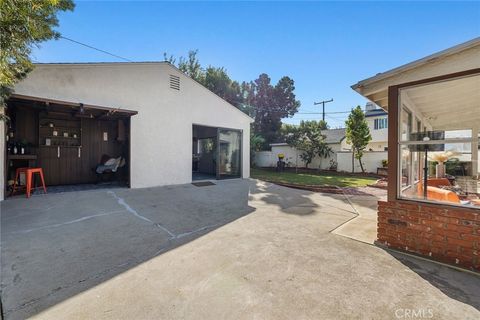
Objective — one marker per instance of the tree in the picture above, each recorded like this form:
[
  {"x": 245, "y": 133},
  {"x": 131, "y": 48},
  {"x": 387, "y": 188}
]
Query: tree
[
  {"x": 323, "y": 151},
  {"x": 271, "y": 104},
  {"x": 323, "y": 125},
  {"x": 213, "y": 78},
  {"x": 266, "y": 103},
  {"x": 357, "y": 134},
  {"x": 218, "y": 81},
  {"x": 256, "y": 144},
  {"x": 23, "y": 25},
  {"x": 191, "y": 66},
  {"x": 307, "y": 138}
]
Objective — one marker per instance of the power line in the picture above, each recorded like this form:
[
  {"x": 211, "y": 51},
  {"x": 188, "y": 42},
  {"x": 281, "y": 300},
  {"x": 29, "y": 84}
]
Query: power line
[
  {"x": 93, "y": 48},
  {"x": 333, "y": 112},
  {"x": 323, "y": 106}
]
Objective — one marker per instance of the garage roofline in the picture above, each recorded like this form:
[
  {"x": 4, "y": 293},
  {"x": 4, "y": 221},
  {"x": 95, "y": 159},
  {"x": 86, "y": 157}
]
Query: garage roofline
[
  {"x": 75, "y": 104},
  {"x": 166, "y": 63}
]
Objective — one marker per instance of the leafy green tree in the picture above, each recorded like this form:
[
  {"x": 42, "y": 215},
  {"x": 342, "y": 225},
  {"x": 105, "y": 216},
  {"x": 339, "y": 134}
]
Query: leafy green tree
[
  {"x": 23, "y": 25},
  {"x": 266, "y": 103},
  {"x": 191, "y": 66},
  {"x": 323, "y": 125},
  {"x": 215, "y": 79},
  {"x": 357, "y": 134},
  {"x": 256, "y": 144},
  {"x": 218, "y": 81},
  {"x": 307, "y": 138},
  {"x": 323, "y": 151}
]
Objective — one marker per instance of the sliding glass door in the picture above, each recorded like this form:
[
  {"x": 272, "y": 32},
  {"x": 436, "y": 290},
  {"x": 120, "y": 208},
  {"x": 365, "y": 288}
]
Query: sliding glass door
[{"x": 229, "y": 153}]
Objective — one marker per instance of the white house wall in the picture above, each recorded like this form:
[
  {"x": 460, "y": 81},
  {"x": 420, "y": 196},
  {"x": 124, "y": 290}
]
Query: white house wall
[
  {"x": 379, "y": 137},
  {"x": 161, "y": 132}
]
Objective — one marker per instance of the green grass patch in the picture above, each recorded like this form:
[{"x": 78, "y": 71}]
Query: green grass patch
[{"x": 312, "y": 178}]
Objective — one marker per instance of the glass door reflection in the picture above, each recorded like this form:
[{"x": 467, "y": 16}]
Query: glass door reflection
[{"x": 229, "y": 149}]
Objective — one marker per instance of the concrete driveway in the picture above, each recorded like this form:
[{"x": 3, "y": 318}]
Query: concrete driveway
[{"x": 240, "y": 249}]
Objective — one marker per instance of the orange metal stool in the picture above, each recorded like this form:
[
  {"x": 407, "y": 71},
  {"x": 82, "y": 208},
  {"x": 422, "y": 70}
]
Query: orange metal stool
[{"x": 29, "y": 172}]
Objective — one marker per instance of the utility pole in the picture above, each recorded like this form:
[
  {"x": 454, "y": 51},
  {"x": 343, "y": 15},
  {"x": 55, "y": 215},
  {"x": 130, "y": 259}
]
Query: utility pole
[{"x": 323, "y": 106}]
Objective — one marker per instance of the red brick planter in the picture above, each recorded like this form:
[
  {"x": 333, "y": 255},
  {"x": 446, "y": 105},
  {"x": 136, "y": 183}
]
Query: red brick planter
[{"x": 440, "y": 232}]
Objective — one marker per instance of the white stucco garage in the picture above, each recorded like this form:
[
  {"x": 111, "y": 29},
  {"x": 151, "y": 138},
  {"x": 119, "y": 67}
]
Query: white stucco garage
[{"x": 167, "y": 104}]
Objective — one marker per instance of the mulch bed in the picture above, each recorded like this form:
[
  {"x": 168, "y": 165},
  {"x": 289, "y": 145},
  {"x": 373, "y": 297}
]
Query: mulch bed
[
  {"x": 380, "y": 183},
  {"x": 330, "y": 172},
  {"x": 324, "y": 189}
]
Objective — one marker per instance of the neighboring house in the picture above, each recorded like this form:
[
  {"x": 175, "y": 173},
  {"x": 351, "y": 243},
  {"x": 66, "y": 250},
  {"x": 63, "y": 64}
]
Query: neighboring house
[
  {"x": 166, "y": 125},
  {"x": 335, "y": 138},
  {"x": 433, "y": 106},
  {"x": 377, "y": 120}
]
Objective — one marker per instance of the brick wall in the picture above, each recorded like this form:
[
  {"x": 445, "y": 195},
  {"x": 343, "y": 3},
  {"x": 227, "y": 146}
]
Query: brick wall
[{"x": 444, "y": 233}]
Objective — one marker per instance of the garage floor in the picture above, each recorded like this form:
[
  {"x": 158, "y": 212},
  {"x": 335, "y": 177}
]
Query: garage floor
[{"x": 239, "y": 249}]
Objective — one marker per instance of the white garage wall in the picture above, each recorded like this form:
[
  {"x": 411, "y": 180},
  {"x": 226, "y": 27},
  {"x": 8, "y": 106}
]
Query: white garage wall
[
  {"x": 371, "y": 161},
  {"x": 161, "y": 132}
]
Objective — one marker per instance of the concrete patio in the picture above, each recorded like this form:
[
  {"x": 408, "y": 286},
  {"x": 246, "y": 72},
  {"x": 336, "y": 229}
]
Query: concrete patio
[{"x": 240, "y": 249}]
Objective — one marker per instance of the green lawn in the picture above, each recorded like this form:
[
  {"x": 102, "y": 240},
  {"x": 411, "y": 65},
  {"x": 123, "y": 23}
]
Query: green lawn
[{"x": 313, "y": 178}]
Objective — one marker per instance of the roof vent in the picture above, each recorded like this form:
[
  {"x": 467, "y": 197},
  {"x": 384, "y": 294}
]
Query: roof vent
[{"x": 174, "y": 82}]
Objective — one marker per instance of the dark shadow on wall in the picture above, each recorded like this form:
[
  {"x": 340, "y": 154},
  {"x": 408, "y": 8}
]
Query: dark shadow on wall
[{"x": 56, "y": 246}]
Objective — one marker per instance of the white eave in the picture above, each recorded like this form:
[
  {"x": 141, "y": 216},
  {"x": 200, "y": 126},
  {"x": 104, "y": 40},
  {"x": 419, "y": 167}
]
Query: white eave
[{"x": 451, "y": 60}]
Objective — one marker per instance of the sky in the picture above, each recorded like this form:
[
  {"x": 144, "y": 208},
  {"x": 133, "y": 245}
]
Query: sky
[{"x": 325, "y": 47}]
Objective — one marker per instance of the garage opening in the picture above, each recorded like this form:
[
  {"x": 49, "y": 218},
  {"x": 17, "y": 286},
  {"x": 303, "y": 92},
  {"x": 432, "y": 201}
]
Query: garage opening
[
  {"x": 77, "y": 146},
  {"x": 217, "y": 153}
]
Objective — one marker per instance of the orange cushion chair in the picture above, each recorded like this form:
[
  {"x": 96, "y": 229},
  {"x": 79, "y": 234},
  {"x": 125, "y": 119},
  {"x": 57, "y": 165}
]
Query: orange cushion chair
[{"x": 436, "y": 193}]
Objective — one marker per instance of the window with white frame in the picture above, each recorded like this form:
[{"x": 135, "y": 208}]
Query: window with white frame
[{"x": 438, "y": 156}]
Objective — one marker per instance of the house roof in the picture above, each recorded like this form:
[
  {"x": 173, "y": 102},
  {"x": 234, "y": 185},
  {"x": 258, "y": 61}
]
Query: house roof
[
  {"x": 461, "y": 57},
  {"x": 332, "y": 136},
  {"x": 455, "y": 49},
  {"x": 375, "y": 113},
  {"x": 165, "y": 63}
]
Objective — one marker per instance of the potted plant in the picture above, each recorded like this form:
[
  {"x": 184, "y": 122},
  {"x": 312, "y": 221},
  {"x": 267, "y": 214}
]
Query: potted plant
[
  {"x": 333, "y": 165},
  {"x": 385, "y": 163}
]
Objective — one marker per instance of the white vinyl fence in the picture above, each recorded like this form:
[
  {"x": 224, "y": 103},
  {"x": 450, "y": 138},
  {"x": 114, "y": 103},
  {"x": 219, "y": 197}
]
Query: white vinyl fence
[
  {"x": 371, "y": 161},
  {"x": 264, "y": 159},
  {"x": 292, "y": 158}
]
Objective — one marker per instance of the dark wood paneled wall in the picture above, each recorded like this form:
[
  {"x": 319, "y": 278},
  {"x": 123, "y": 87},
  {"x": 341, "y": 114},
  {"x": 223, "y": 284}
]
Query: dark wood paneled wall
[
  {"x": 94, "y": 146},
  {"x": 74, "y": 166}
]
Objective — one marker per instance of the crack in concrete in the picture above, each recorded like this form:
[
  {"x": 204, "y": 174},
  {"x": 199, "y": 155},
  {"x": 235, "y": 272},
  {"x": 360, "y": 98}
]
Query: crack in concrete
[
  {"x": 171, "y": 234},
  {"x": 72, "y": 284},
  {"x": 124, "y": 204},
  {"x": 57, "y": 225},
  {"x": 108, "y": 270},
  {"x": 181, "y": 235},
  {"x": 130, "y": 262}
]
